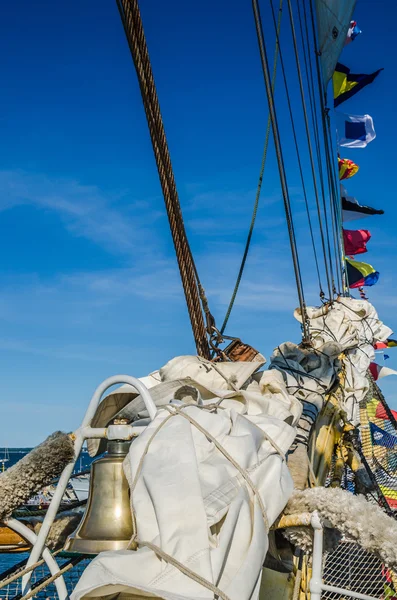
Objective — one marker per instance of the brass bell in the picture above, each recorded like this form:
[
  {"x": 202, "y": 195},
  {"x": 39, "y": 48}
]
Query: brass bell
[{"x": 107, "y": 522}]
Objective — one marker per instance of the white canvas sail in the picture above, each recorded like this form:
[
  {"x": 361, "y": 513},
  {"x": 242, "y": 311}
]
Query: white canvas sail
[{"x": 333, "y": 21}]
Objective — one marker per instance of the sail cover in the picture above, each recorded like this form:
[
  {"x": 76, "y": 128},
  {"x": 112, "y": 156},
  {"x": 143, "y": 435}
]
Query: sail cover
[{"x": 333, "y": 22}]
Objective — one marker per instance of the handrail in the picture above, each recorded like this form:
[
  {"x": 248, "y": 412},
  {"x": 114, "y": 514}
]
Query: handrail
[
  {"x": 51, "y": 563},
  {"x": 79, "y": 437}
]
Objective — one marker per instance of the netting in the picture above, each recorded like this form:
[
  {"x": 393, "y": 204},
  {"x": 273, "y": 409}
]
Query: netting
[
  {"x": 352, "y": 568},
  {"x": 13, "y": 590},
  {"x": 379, "y": 443}
]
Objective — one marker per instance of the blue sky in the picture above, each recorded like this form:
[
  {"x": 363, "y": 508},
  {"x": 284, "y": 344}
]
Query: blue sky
[{"x": 89, "y": 282}]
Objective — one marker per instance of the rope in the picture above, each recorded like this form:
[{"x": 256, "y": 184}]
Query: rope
[
  {"x": 298, "y": 578},
  {"x": 211, "y": 365},
  {"x": 134, "y": 542},
  {"x": 47, "y": 580},
  {"x": 188, "y": 572},
  {"x": 132, "y": 22},
  {"x": 298, "y": 158},
  {"x": 331, "y": 170},
  {"x": 222, "y": 450},
  {"x": 137, "y": 475},
  {"x": 259, "y": 188},
  {"x": 316, "y": 191},
  {"x": 297, "y": 585},
  {"x": 281, "y": 167},
  {"x": 312, "y": 102},
  {"x": 337, "y": 205},
  {"x": 19, "y": 573}
]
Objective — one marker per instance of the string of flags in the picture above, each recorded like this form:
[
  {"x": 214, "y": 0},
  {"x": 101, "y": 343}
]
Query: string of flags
[
  {"x": 354, "y": 131},
  {"x": 357, "y": 131}
]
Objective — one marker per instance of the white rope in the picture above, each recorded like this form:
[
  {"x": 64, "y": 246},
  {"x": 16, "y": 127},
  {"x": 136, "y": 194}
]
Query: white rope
[
  {"x": 134, "y": 542},
  {"x": 188, "y": 572}
]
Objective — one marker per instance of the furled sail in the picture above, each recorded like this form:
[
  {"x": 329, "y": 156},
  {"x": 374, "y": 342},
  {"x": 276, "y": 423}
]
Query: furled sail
[{"x": 333, "y": 22}]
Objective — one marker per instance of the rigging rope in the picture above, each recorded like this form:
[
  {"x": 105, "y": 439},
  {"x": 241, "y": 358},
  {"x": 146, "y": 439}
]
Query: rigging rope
[
  {"x": 316, "y": 191},
  {"x": 310, "y": 79},
  {"x": 336, "y": 208},
  {"x": 132, "y": 22},
  {"x": 298, "y": 155},
  {"x": 326, "y": 130},
  {"x": 259, "y": 187},
  {"x": 312, "y": 101},
  {"x": 281, "y": 167}
]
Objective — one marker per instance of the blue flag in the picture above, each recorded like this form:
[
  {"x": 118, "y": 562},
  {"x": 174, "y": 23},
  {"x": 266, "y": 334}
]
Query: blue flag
[{"x": 381, "y": 438}]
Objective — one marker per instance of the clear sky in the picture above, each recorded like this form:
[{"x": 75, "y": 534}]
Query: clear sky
[{"x": 89, "y": 284}]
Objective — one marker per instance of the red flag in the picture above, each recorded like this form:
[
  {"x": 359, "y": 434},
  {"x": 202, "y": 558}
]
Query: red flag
[
  {"x": 382, "y": 414},
  {"x": 387, "y": 344},
  {"x": 355, "y": 241},
  {"x": 373, "y": 367},
  {"x": 347, "y": 168},
  {"x": 378, "y": 372},
  {"x": 380, "y": 345}
]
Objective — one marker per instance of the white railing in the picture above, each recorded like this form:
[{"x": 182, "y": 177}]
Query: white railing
[
  {"x": 85, "y": 431},
  {"x": 317, "y": 586},
  {"x": 126, "y": 432}
]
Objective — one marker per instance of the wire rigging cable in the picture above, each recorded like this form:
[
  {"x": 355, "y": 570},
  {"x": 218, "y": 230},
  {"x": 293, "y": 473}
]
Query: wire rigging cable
[
  {"x": 132, "y": 22},
  {"x": 306, "y": 45},
  {"x": 298, "y": 154},
  {"x": 281, "y": 167},
  {"x": 325, "y": 123},
  {"x": 328, "y": 268},
  {"x": 259, "y": 187}
]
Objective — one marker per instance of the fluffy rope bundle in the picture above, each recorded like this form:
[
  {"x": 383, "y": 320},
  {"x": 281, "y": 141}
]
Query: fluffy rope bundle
[
  {"x": 60, "y": 529},
  {"x": 352, "y": 516},
  {"x": 34, "y": 471}
]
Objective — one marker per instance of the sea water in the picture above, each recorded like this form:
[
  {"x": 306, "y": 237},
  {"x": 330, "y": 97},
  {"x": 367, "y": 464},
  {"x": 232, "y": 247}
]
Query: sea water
[
  {"x": 15, "y": 454},
  {"x": 9, "y": 559}
]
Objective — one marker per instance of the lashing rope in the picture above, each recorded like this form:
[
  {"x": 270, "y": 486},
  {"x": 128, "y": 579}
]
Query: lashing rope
[{"x": 135, "y": 542}]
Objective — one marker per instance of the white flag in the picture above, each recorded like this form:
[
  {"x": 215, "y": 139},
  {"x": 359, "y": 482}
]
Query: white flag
[{"x": 354, "y": 131}]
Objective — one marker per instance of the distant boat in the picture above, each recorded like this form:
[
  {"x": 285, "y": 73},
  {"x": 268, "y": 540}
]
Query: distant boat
[
  {"x": 81, "y": 486},
  {"x": 4, "y": 460}
]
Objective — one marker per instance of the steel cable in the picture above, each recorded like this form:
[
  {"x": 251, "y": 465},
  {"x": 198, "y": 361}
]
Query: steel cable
[
  {"x": 281, "y": 167},
  {"x": 132, "y": 23},
  {"x": 324, "y": 111},
  {"x": 328, "y": 268},
  {"x": 259, "y": 187},
  {"x": 298, "y": 155},
  {"x": 313, "y": 111},
  {"x": 310, "y": 80}
]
